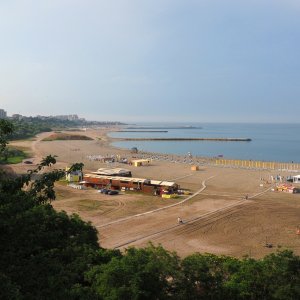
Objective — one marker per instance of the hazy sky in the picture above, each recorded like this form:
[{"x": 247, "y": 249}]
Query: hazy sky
[{"x": 152, "y": 60}]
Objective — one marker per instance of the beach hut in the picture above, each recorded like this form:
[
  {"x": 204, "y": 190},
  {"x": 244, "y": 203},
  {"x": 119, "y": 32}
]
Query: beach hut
[
  {"x": 296, "y": 179},
  {"x": 74, "y": 176},
  {"x": 141, "y": 162},
  {"x": 113, "y": 172}
]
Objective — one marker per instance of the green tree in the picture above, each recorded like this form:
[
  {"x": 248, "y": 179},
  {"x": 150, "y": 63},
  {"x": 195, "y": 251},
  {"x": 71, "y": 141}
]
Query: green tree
[
  {"x": 6, "y": 128},
  {"x": 277, "y": 276},
  {"x": 203, "y": 276},
  {"x": 43, "y": 253},
  {"x": 148, "y": 273}
]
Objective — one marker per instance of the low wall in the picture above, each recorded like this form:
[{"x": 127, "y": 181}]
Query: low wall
[{"x": 252, "y": 164}]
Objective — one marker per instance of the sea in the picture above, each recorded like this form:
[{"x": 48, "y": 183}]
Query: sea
[{"x": 269, "y": 142}]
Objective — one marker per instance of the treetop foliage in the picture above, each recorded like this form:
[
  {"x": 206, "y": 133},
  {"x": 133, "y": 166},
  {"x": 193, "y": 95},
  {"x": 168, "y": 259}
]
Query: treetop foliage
[
  {"x": 6, "y": 128},
  {"x": 28, "y": 127}
]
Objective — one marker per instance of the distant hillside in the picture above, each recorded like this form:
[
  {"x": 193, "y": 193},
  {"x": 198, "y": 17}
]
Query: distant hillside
[{"x": 28, "y": 127}]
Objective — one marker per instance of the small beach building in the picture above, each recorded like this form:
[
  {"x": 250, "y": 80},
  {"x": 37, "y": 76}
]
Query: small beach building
[
  {"x": 74, "y": 176},
  {"x": 113, "y": 172},
  {"x": 141, "y": 162},
  {"x": 296, "y": 179}
]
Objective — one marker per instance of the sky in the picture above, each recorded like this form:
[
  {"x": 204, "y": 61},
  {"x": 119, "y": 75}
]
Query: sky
[{"x": 152, "y": 60}]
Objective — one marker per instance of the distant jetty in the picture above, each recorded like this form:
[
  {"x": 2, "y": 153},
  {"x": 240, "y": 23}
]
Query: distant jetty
[
  {"x": 190, "y": 139},
  {"x": 141, "y": 131},
  {"x": 165, "y": 128}
]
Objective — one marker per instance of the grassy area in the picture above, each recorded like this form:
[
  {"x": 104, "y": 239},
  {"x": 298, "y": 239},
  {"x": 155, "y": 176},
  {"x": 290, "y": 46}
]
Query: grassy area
[
  {"x": 21, "y": 148},
  {"x": 91, "y": 205},
  {"x": 65, "y": 136},
  {"x": 15, "y": 159},
  {"x": 14, "y": 155},
  {"x": 87, "y": 204}
]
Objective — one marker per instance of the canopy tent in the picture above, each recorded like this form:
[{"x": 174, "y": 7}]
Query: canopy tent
[{"x": 296, "y": 179}]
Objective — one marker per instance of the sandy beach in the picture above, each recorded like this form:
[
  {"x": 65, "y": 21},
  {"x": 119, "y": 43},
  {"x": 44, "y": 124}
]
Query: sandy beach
[{"x": 217, "y": 217}]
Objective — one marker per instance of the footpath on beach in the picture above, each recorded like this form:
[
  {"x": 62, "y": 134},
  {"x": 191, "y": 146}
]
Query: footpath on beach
[
  {"x": 179, "y": 203},
  {"x": 212, "y": 214}
]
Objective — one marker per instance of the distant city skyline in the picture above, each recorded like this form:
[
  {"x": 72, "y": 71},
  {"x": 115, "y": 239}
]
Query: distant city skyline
[
  {"x": 152, "y": 61},
  {"x": 72, "y": 117}
]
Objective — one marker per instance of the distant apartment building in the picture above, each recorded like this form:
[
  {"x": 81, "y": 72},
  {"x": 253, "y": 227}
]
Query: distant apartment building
[
  {"x": 44, "y": 117},
  {"x": 67, "y": 117},
  {"x": 61, "y": 117},
  {"x": 17, "y": 116},
  {"x": 3, "y": 114}
]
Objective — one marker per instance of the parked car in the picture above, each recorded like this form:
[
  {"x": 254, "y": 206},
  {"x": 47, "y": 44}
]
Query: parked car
[{"x": 112, "y": 192}]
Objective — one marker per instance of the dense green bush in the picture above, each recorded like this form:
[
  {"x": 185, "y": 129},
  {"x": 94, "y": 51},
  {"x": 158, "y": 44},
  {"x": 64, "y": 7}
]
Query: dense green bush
[{"x": 12, "y": 156}]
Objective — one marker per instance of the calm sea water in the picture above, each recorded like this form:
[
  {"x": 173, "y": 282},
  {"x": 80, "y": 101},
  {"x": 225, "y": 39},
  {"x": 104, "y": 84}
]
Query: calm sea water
[{"x": 270, "y": 142}]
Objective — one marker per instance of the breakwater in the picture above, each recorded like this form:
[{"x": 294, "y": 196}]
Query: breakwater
[
  {"x": 141, "y": 131},
  {"x": 165, "y": 127},
  {"x": 189, "y": 139},
  {"x": 269, "y": 142}
]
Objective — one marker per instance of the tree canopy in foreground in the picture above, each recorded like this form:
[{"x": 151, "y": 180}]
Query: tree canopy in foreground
[{"x": 45, "y": 254}]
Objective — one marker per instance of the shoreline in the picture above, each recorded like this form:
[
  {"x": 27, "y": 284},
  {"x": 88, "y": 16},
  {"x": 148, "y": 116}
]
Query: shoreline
[
  {"x": 108, "y": 142},
  {"x": 268, "y": 143},
  {"x": 201, "y": 160},
  {"x": 227, "y": 186}
]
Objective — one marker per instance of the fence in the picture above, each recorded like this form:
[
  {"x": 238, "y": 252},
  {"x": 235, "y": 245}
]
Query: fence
[{"x": 264, "y": 165}]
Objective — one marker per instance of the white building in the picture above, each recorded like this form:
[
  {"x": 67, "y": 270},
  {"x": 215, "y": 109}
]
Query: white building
[
  {"x": 74, "y": 176},
  {"x": 296, "y": 179},
  {"x": 3, "y": 114}
]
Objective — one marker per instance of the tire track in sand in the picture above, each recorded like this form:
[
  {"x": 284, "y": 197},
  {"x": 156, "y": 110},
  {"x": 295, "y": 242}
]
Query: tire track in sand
[
  {"x": 231, "y": 209},
  {"x": 158, "y": 209}
]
